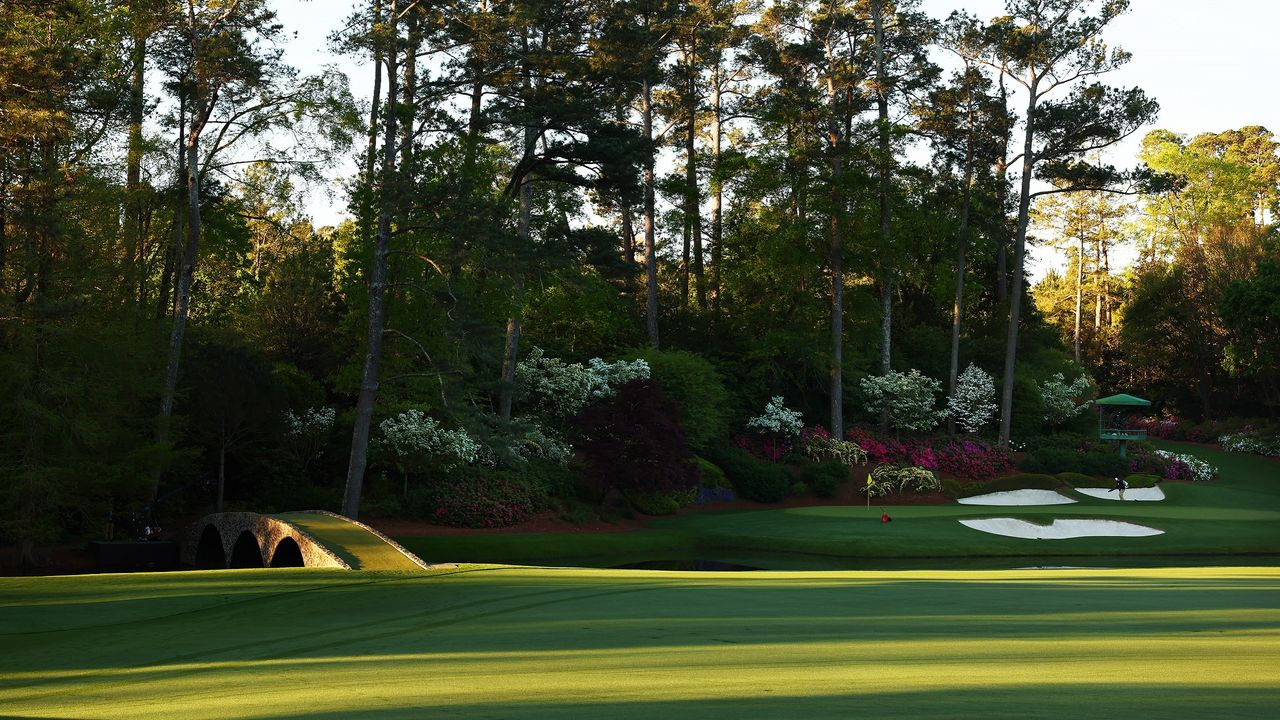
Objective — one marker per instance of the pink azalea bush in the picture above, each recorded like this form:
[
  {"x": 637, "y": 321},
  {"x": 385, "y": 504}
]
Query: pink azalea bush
[
  {"x": 769, "y": 448},
  {"x": 483, "y": 501},
  {"x": 969, "y": 459},
  {"x": 1175, "y": 428}
]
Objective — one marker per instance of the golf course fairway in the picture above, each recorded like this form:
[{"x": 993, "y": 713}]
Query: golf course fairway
[{"x": 518, "y": 642}]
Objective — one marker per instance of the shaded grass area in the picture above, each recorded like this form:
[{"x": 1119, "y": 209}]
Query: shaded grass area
[
  {"x": 1238, "y": 514},
  {"x": 361, "y": 549},
  {"x": 539, "y": 643}
]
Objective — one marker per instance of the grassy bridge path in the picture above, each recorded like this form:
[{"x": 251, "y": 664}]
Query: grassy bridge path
[{"x": 360, "y": 547}]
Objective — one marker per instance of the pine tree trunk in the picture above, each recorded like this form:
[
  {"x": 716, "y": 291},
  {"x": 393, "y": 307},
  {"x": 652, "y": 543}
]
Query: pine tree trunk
[
  {"x": 222, "y": 467},
  {"x": 371, "y": 151},
  {"x": 1097, "y": 286},
  {"x": 133, "y": 161},
  {"x": 4, "y": 237},
  {"x": 511, "y": 346},
  {"x": 693, "y": 199},
  {"x": 717, "y": 191},
  {"x": 1106, "y": 286},
  {"x": 167, "y": 280},
  {"x": 885, "y": 187},
  {"x": 835, "y": 259},
  {"x": 457, "y": 242},
  {"x": 650, "y": 245},
  {"x": 628, "y": 247},
  {"x": 1019, "y": 256},
  {"x": 962, "y": 247},
  {"x": 1079, "y": 295},
  {"x": 1001, "y": 172},
  {"x": 408, "y": 93},
  {"x": 377, "y": 294},
  {"x": 186, "y": 268}
]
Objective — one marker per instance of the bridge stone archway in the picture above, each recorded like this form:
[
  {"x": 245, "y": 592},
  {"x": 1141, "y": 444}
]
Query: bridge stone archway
[
  {"x": 245, "y": 539},
  {"x": 210, "y": 552},
  {"x": 246, "y": 553},
  {"x": 287, "y": 554}
]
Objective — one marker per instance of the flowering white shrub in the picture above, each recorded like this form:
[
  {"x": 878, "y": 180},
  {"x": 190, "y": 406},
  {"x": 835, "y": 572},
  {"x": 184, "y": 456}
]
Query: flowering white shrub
[
  {"x": 907, "y": 399},
  {"x": 777, "y": 419},
  {"x": 307, "y": 432},
  {"x": 1199, "y": 470},
  {"x": 1063, "y": 401},
  {"x": 413, "y": 434},
  {"x": 606, "y": 377},
  {"x": 973, "y": 403},
  {"x": 312, "y": 421},
  {"x": 1246, "y": 443},
  {"x": 552, "y": 388}
]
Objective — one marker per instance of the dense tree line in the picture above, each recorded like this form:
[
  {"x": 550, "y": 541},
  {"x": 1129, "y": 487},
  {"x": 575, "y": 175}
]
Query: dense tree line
[
  {"x": 1193, "y": 321},
  {"x": 586, "y": 177}
]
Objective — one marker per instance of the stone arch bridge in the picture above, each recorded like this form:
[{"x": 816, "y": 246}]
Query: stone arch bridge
[{"x": 303, "y": 539}]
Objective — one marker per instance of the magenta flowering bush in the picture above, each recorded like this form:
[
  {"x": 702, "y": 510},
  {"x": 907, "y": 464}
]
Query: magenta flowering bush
[
  {"x": 1175, "y": 428},
  {"x": 969, "y": 459},
  {"x": 973, "y": 459},
  {"x": 1156, "y": 427},
  {"x": 771, "y": 448},
  {"x": 817, "y": 431}
]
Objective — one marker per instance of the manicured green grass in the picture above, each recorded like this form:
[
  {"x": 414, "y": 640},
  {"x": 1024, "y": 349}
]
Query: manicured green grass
[
  {"x": 561, "y": 644},
  {"x": 1238, "y": 514},
  {"x": 360, "y": 548}
]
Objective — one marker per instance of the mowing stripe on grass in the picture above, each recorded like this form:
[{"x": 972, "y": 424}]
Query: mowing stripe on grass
[{"x": 567, "y": 644}]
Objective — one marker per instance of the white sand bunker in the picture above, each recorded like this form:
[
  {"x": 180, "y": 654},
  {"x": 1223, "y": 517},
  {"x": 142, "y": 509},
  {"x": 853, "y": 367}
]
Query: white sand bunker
[
  {"x": 1151, "y": 494},
  {"x": 1060, "y": 529},
  {"x": 1018, "y": 497}
]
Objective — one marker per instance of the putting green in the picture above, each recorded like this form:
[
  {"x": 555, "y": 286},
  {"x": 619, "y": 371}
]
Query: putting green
[
  {"x": 535, "y": 643},
  {"x": 1239, "y": 514},
  {"x": 356, "y": 544}
]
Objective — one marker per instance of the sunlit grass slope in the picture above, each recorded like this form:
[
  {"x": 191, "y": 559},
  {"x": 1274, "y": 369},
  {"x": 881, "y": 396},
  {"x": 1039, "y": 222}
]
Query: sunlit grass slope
[
  {"x": 1234, "y": 515},
  {"x": 361, "y": 549},
  {"x": 553, "y": 644}
]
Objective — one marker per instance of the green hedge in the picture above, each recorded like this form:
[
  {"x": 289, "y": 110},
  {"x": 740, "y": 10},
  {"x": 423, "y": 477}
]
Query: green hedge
[
  {"x": 752, "y": 479},
  {"x": 710, "y": 475},
  {"x": 824, "y": 478},
  {"x": 1058, "y": 460},
  {"x": 655, "y": 503},
  {"x": 692, "y": 382},
  {"x": 1075, "y": 479},
  {"x": 1023, "y": 481}
]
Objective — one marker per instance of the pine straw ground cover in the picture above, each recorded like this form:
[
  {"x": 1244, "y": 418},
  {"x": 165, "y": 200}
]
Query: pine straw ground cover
[{"x": 549, "y": 644}]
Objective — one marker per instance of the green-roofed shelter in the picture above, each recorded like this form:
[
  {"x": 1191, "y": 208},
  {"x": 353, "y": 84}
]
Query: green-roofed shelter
[
  {"x": 1123, "y": 400},
  {"x": 1110, "y": 424}
]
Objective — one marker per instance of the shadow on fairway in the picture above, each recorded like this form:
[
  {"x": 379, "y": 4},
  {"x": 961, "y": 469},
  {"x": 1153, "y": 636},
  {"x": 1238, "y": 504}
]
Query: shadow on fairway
[{"x": 1127, "y": 697}]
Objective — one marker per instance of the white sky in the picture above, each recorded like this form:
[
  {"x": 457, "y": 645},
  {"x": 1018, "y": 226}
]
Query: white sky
[{"x": 1210, "y": 64}]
